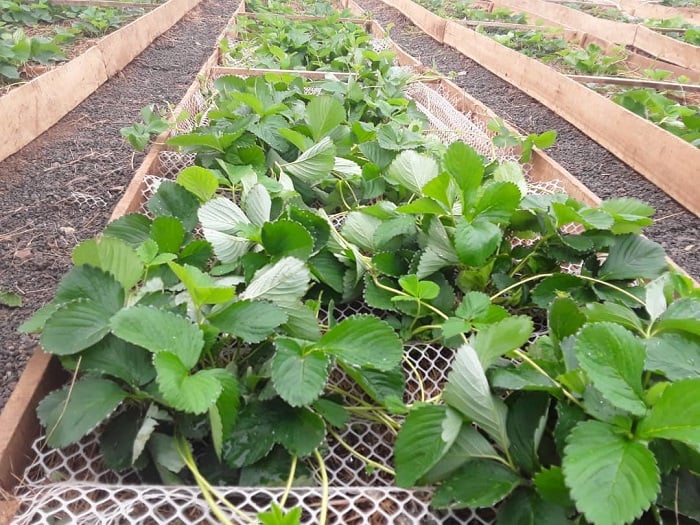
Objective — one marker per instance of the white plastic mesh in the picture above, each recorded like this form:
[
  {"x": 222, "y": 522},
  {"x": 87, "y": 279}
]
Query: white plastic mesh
[{"x": 72, "y": 484}]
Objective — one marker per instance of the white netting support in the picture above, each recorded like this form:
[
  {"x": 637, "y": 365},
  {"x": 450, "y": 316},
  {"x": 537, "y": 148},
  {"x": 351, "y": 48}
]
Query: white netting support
[{"x": 72, "y": 484}]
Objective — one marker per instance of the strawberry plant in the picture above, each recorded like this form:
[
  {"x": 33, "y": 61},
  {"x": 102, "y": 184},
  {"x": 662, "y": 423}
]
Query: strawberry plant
[{"x": 202, "y": 340}]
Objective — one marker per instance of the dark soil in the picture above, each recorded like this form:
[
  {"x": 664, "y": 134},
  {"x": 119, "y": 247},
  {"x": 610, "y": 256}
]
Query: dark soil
[
  {"x": 676, "y": 229},
  {"x": 61, "y": 188}
]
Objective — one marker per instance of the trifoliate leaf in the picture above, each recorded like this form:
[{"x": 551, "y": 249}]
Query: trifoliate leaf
[
  {"x": 72, "y": 412},
  {"x": 677, "y": 356},
  {"x": 299, "y": 374},
  {"x": 193, "y": 394},
  {"x": 614, "y": 359},
  {"x": 160, "y": 331},
  {"x": 364, "y": 341},
  {"x": 612, "y": 479},
  {"x": 172, "y": 200}
]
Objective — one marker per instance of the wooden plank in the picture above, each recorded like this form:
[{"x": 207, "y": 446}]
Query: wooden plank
[
  {"x": 29, "y": 110},
  {"x": 636, "y": 82},
  {"x": 634, "y": 35},
  {"x": 670, "y": 163},
  {"x": 105, "y": 3},
  {"x": 644, "y": 9},
  {"x": 19, "y": 425},
  {"x": 428, "y": 21}
]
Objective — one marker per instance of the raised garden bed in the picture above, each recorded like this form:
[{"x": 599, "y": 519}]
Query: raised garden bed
[
  {"x": 384, "y": 503},
  {"x": 32, "y": 108}
]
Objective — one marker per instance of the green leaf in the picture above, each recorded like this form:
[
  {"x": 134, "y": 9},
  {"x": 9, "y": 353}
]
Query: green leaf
[
  {"x": 467, "y": 168},
  {"x": 224, "y": 414},
  {"x": 634, "y": 257},
  {"x": 614, "y": 313},
  {"x": 201, "y": 286},
  {"x": 677, "y": 356},
  {"x": 511, "y": 172},
  {"x": 682, "y": 315},
  {"x": 298, "y": 374},
  {"x": 168, "y": 233},
  {"x": 498, "y": 202},
  {"x": 468, "y": 445},
  {"x": 385, "y": 387},
  {"x": 497, "y": 339},
  {"x": 253, "y": 435},
  {"x": 323, "y": 114},
  {"x": 551, "y": 486},
  {"x": 277, "y": 516},
  {"x": 478, "y": 483},
  {"x": 422, "y": 442},
  {"x": 300, "y": 431},
  {"x": 163, "y": 449},
  {"x": 426, "y": 290},
  {"x": 10, "y": 299},
  {"x": 612, "y": 479},
  {"x": 172, "y": 200},
  {"x": 527, "y": 416},
  {"x": 117, "y": 358},
  {"x": 288, "y": 238},
  {"x": 564, "y": 318},
  {"x": 422, "y": 206},
  {"x": 476, "y": 242},
  {"x": 88, "y": 282},
  {"x": 315, "y": 164},
  {"x": 252, "y": 321},
  {"x": 75, "y": 326},
  {"x": 193, "y": 394},
  {"x": 438, "y": 253},
  {"x": 525, "y": 507},
  {"x": 258, "y": 205},
  {"x": 468, "y": 391},
  {"x": 363, "y": 340},
  {"x": 111, "y": 255},
  {"x": 117, "y": 439},
  {"x": 332, "y": 412},
  {"x": 412, "y": 170},
  {"x": 160, "y": 331},
  {"x": 72, "y": 412},
  {"x": 222, "y": 222},
  {"x": 613, "y": 358},
  {"x": 284, "y": 282},
  {"x": 199, "y": 181},
  {"x": 676, "y": 415}
]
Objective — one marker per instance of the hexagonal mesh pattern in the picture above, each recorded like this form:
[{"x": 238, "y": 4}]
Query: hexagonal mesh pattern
[{"x": 73, "y": 485}]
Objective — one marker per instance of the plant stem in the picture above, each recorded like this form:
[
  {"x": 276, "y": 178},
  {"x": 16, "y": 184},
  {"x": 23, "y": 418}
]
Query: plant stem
[
  {"x": 323, "y": 519},
  {"x": 359, "y": 455},
  {"x": 290, "y": 480},
  {"x": 185, "y": 453},
  {"x": 380, "y": 416},
  {"x": 522, "y": 355},
  {"x": 404, "y": 294},
  {"x": 416, "y": 373},
  {"x": 65, "y": 405}
]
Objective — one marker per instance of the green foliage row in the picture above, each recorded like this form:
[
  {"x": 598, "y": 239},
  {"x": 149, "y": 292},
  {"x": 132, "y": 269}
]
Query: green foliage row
[
  {"x": 17, "y": 49},
  {"x": 202, "y": 336}
]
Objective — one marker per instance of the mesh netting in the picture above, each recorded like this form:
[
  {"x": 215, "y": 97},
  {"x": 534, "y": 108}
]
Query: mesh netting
[{"x": 72, "y": 483}]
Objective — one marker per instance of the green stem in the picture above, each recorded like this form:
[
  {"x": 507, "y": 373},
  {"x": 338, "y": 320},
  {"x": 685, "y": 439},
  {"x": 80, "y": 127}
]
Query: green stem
[
  {"x": 185, "y": 453},
  {"x": 524, "y": 260},
  {"x": 425, "y": 328},
  {"x": 323, "y": 519},
  {"x": 404, "y": 294},
  {"x": 522, "y": 355},
  {"x": 359, "y": 455},
  {"x": 290, "y": 480},
  {"x": 380, "y": 415},
  {"x": 417, "y": 375}
]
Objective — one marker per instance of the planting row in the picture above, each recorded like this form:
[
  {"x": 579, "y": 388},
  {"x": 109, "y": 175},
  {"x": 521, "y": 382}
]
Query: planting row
[
  {"x": 672, "y": 109},
  {"x": 42, "y": 33},
  {"x": 202, "y": 338}
]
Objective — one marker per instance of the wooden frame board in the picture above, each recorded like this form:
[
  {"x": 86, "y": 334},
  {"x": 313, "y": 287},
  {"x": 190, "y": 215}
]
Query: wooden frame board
[
  {"x": 635, "y": 35},
  {"x": 645, "y": 9},
  {"x": 18, "y": 424},
  {"x": 29, "y": 110}
]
